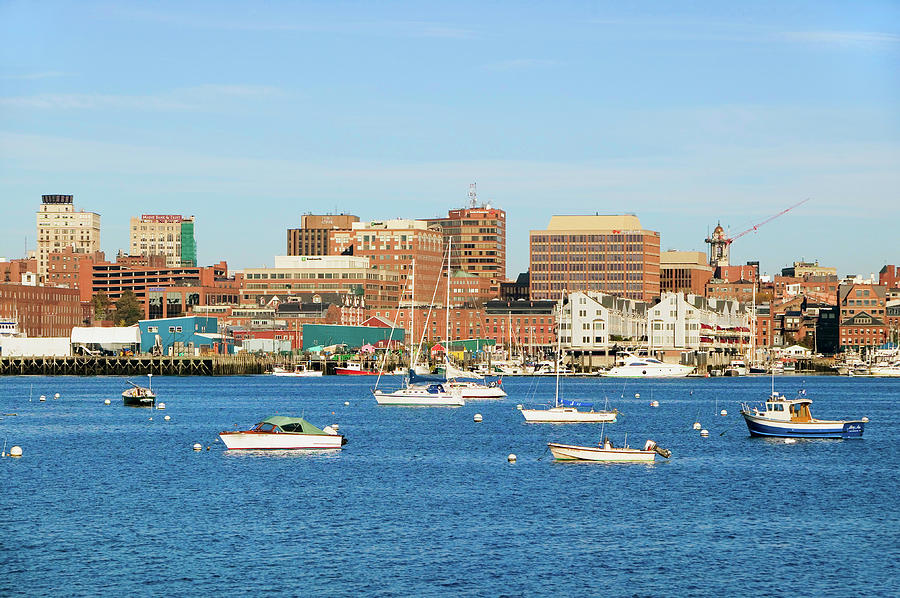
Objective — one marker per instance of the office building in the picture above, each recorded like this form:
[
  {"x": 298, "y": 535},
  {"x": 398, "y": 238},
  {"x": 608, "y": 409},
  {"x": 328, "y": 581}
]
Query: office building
[
  {"x": 59, "y": 226},
  {"x": 169, "y": 235},
  {"x": 312, "y": 238}
]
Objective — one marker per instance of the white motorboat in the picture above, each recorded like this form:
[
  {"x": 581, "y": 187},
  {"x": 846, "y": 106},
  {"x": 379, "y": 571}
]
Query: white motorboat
[
  {"x": 298, "y": 372},
  {"x": 737, "y": 367},
  {"x": 281, "y": 432},
  {"x": 606, "y": 452},
  {"x": 647, "y": 367},
  {"x": 888, "y": 370}
]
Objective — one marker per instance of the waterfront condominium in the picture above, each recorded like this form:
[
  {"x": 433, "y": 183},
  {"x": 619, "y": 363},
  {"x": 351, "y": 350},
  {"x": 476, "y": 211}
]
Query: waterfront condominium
[
  {"x": 59, "y": 226},
  {"x": 611, "y": 254},
  {"x": 169, "y": 235}
]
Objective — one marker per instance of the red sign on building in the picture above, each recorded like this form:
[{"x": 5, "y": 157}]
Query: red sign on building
[{"x": 161, "y": 217}]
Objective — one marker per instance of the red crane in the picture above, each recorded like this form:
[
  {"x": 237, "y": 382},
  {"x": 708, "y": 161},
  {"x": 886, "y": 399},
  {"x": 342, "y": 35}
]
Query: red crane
[{"x": 767, "y": 220}]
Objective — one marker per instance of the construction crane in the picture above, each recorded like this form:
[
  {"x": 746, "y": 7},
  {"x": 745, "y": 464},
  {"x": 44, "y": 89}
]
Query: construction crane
[{"x": 720, "y": 242}]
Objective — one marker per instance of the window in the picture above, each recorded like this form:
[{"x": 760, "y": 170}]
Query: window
[{"x": 151, "y": 329}]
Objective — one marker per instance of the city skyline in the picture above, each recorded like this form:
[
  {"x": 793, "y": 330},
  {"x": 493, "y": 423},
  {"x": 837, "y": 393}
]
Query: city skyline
[{"x": 248, "y": 117}]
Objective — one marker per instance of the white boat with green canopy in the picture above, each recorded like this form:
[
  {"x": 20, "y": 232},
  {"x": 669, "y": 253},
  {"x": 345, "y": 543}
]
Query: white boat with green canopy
[{"x": 283, "y": 432}]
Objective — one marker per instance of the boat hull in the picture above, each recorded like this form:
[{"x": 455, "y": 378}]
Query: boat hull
[
  {"x": 638, "y": 372},
  {"x": 138, "y": 397},
  {"x": 352, "y": 372},
  {"x": 279, "y": 441},
  {"x": 558, "y": 415},
  {"x": 408, "y": 398},
  {"x": 479, "y": 392},
  {"x": 568, "y": 452},
  {"x": 814, "y": 429},
  {"x": 306, "y": 374}
]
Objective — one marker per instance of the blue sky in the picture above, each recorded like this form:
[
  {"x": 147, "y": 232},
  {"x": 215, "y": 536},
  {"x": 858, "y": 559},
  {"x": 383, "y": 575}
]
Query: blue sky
[{"x": 247, "y": 115}]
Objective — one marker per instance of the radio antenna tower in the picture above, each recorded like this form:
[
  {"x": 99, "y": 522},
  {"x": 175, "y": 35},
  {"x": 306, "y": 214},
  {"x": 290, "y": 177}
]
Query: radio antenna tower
[{"x": 473, "y": 196}]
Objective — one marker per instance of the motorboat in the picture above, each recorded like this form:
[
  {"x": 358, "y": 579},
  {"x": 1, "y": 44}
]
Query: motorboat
[
  {"x": 139, "y": 396},
  {"x": 633, "y": 366},
  {"x": 353, "y": 368},
  {"x": 298, "y": 372},
  {"x": 888, "y": 370},
  {"x": 606, "y": 452},
  {"x": 736, "y": 368},
  {"x": 283, "y": 432},
  {"x": 791, "y": 418}
]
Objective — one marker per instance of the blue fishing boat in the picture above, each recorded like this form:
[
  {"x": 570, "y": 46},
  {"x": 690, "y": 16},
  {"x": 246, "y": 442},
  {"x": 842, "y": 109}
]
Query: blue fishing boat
[{"x": 791, "y": 418}]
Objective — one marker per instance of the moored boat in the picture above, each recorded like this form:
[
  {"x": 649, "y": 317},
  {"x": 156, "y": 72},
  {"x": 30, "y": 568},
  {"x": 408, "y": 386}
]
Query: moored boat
[
  {"x": 887, "y": 370},
  {"x": 791, "y": 418},
  {"x": 282, "y": 432},
  {"x": 139, "y": 396},
  {"x": 353, "y": 368},
  {"x": 298, "y": 372},
  {"x": 606, "y": 452},
  {"x": 647, "y": 367}
]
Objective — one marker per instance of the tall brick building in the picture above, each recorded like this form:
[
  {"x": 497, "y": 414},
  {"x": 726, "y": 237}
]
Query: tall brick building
[
  {"x": 312, "y": 238},
  {"x": 862, "y": 316}
]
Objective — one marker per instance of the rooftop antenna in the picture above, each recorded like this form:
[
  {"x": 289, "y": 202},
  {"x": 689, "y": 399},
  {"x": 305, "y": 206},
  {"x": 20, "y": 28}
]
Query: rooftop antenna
[{"x": 473, "y": 196}]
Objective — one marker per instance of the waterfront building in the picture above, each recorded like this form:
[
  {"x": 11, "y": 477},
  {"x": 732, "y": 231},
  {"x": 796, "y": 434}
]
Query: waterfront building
[
  {"x": 14, "y": 270},
  {"x": 187, "y": 335},
  {"x": 513, "y": 290},
  {"x": 60, "y": 226},
  {"x": 392, "y": 246},
  {"x": 681, "y": 322},
  {"x": 595, "y": 322},
  {"x": 609, "y": 254},
  {"x": 684, "y": 272},
  {"x": 478, "y": 236},
  {"x": 306, "y": 277},
  {"x": 40, "y": 311},
  {"x": 889, "y": 276},
  {"x": 466, "y": 289},
  {"x": 862, "y": 316},
  {"x": 169, "y": 235},
  {"x": 312, "y": 238}
]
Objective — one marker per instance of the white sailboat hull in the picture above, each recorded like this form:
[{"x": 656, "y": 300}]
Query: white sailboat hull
[
  {"x": 568, "y": 452},
  {"x": 284, "y": 440},
  {"x": 668, "y": 371},
  {"x": 299, "y": 374},
  {"x": 477, "y": 391},
  {"x": 568, "y": 415},
  {"x": 418, "y": 397}
]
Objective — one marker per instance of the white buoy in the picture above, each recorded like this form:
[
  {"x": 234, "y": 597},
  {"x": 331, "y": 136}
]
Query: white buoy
[
  {"x": 637, "y": 395},
  {"x": 790, "y": 440},
  {"x": 56, "y": 396},
  {"x": 197, "y": 446},
  {"x": 15, "y": 451},
  {"x": 346, "y": 403},
  {"x": 704, "y": 433},
  {"x": 511, "y": 458},
  {"x": 654, "y": 403},
  {"x": 697, "y": 426},
  {"x": 106, "y": 402},
  {"x": 160, "y": 406},
  {"x": 519, "y": 407},
  {"x": 723, "y": 412},
  {"x": 477, "y": 418},
  {"x": 42, "y": 398},
  {"x": 167, "y": 418}
]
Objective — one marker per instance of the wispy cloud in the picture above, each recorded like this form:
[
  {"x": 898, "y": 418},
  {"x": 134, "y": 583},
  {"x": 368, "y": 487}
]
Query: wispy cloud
[
  {"x": 201, "y": 97},
  {"x": 843, "y": 38},
  {"x": 517, "y": 64},
  {"x": 35, "y": 76}
]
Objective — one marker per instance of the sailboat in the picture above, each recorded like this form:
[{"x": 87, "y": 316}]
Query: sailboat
[
  {"x": 564, "y": 411},
  {"x": 419, "y": 391}
]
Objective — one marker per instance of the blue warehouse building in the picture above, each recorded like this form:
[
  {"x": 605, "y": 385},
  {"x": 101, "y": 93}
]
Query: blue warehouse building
[{"x": 187, "y": 335}]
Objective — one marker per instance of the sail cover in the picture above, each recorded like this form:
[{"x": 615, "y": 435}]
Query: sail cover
[
  {"x": 576, "y": 403},
  {"x": 415, "y": 378}
]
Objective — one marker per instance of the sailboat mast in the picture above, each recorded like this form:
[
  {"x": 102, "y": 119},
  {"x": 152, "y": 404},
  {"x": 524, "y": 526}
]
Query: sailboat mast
[
  {"x": 412, "y": 318},
  {"x": 447, "y": 310},
  {"x": 558, "y": 348}
]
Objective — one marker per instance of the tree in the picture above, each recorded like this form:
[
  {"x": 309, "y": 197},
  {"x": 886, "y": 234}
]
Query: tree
[
  {"x": 128, "y": 309},
  {"x": 100, "y": 303}
]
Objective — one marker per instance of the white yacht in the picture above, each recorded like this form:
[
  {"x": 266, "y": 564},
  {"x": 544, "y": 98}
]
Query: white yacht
[{"x": 647, "y": 367}]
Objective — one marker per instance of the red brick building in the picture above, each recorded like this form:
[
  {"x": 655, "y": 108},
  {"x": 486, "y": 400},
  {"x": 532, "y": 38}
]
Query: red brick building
[
  {"x": 63, "y": 266},
  {"x": 889, "y": 276},
  {"x": 12, "y": 270},
  {"x": 41, "y": 311},
  {"x": 862, "y": 316},
  {"x": 684, "y": 272}
]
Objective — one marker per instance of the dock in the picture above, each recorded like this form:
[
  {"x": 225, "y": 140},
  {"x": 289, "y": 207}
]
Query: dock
[{"x": 138, "y": 365}]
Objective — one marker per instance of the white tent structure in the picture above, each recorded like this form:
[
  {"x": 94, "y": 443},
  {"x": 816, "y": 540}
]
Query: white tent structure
[{"x": 113, "y": 339}]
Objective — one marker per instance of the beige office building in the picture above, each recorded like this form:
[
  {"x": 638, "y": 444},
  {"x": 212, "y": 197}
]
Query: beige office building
[
  {"x": 610, "y": 254},
  {"x": 169, "y": 235},
  {"x": 59, "y": 226}
]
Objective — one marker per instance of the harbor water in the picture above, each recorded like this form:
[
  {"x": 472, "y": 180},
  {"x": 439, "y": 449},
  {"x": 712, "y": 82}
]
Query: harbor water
[{"x": 106, "y": 501}]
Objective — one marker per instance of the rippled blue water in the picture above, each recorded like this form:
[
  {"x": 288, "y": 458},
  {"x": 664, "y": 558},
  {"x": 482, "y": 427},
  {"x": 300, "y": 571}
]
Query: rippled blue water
[{"x": 423, "y": 502}]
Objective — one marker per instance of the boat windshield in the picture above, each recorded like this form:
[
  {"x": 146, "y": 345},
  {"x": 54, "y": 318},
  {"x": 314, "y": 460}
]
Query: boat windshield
[{"x": 264, "y": 427}]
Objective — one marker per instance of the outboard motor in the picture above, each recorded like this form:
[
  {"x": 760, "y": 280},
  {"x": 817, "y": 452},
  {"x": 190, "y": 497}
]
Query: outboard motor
[{"x": 651, "y": 445}]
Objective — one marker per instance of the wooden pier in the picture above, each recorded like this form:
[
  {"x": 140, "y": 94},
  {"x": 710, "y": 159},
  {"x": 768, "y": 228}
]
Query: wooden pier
[{"x": 205, "y": 365}]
